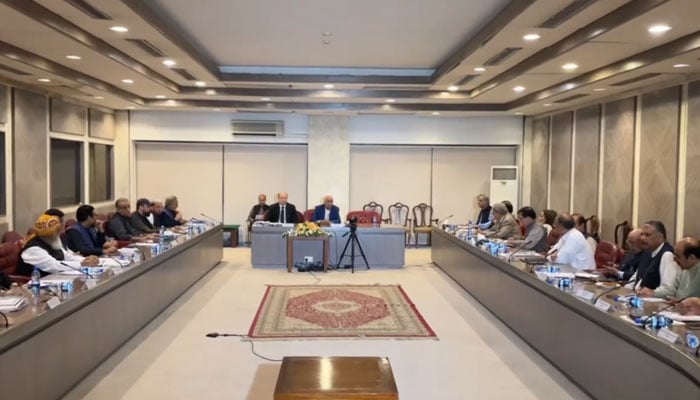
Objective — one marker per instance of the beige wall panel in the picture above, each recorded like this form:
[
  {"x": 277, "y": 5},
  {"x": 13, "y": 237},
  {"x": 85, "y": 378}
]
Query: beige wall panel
[
  {"x": 618, "y": 163},
  {"x": 587, "y": 153},
  {"x": 691, "y": 227},
  {"x": 329, "y": 160},
  {"x": 540, "y": 163},
  {"x": 560, "y": 182},
  {"x": 68, "y": 118},
  {"x": 102, "y": 124},
  {"x": 658, "y": 173}
]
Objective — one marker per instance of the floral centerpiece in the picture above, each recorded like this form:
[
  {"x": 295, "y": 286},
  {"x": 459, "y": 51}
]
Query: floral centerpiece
[{"x": 306, "y": 229}]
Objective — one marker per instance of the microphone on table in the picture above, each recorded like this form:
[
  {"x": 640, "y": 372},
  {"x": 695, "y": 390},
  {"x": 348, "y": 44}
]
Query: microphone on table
[
  {"x": 517, "y": 249},
  {"x": 77, "y": 269},
  {"x": 214, "y": 220},
  {"x": 131, "y": 261},
  {"x": 445, "y": 220}
]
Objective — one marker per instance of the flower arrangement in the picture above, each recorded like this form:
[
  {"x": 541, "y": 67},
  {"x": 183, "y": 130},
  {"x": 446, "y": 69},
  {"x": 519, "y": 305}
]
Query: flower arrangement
[{"x": 306, "y": 229}]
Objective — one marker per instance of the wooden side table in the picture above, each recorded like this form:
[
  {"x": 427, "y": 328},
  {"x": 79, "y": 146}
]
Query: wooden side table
[
  {"x": 290, "y": 250},
  {"x": 233, "y": 230},
  {"x": 336, "y": 378}
]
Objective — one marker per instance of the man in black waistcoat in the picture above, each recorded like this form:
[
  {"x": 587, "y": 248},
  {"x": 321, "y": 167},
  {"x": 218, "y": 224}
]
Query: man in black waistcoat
[{"x": 657, "y": 266}]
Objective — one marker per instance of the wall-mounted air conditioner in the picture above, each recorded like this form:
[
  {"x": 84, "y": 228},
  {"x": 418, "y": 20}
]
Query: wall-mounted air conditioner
[
  {"x": 504, "y": 184},
  {"x": 257, "y": 128}
]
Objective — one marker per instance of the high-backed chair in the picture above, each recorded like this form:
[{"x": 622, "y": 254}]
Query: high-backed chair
[
  {"x": 622, "y": 230},
  {"x": 365, "y": 218},
  {"x": 11, "y": 237},
  {"x": 309, "y": 215},
  {"x": 553, "y": 237},
  {"x": 9, "y": 257},
  {"x": 423, "y": 221},
  {"x": 70, "y": 222},
  {"x": 300, "y": 217},
  {"x": 374, "y": 206},
  {"x": 605, "y": 253},
  {"x": 399, "y": 215}
]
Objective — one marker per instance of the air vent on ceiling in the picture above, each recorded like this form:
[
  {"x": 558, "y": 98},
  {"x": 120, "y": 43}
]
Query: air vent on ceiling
[
  {"x": 466, "y": 79},
  {"x": 184, "y": 73},
  {"x": 257, "y": 128},
  {"x": 574, "y": 97},
  {"x": 502, "y": 56},
  {"x": 148, "y": 47},
  {"x": 636, "y": 79},
  {"x": 13, "y": 71},
  {"x": 566, "y": 13},
  {"x": 88, "y": 9},
  {"x": 259, "y": 111},
  {"x": 386, "y": 113}
]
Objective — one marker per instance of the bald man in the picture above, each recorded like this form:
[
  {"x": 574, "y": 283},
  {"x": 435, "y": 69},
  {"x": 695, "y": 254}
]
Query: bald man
[
  {"x": 282, "y": 211},
  {"x": 327, "y": 211},
  {"x": 687, "y": 282},
  {"x": 630, "y": 262}
]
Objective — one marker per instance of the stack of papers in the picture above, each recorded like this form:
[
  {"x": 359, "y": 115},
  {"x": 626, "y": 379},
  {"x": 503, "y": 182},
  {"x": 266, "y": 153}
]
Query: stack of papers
[
  {"x": 12, "y": 303},
  {"x": 679, "y": 317}
]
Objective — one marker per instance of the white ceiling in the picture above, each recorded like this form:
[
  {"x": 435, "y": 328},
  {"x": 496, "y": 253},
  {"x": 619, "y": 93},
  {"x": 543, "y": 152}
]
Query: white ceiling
[{"x": 377, "y": 34}]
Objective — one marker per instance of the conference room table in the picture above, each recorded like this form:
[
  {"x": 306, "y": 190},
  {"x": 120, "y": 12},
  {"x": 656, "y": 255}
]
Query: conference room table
[
  {"x": 384, "y": 246},
  {"x": 47, "y": 350},
  {"x": 599, "y": 349}
]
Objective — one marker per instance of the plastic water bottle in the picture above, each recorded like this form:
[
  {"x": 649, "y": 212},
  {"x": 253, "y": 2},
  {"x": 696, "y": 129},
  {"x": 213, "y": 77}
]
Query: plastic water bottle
[
  {"x": 35, "y": 284},
  {"x": 691, "y": 340},
  {"x": 374, "y": 220},
  {"x": 162, "y": 231}
]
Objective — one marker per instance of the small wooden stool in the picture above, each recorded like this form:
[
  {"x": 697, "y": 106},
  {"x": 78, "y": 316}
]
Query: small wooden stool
[{"x": 335, "y": 378}]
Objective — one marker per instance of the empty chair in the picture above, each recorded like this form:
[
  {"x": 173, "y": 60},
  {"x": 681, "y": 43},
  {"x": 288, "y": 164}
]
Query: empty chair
[
  {"x": 11, "y": 237},
  {"x": 593, "y": 227},
  {"x": 374, "y": 206},
  {"x": 423, "y": 221},
  {"x": 9, "y": 257},
  {"x": 365, "y": 218},
  {"x": 622, "y": 230},
  {"x": 398, "y": 214}
]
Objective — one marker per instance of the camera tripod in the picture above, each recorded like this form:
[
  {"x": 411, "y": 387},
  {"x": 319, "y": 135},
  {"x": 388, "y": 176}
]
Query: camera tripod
[{"x": 352, "y": 241}]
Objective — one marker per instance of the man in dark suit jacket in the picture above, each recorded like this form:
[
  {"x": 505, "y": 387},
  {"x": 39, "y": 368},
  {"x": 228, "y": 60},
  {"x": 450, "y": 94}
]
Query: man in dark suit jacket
[
  {"x": 282, "y": 211},
  {"x": 327, "y": 207}
]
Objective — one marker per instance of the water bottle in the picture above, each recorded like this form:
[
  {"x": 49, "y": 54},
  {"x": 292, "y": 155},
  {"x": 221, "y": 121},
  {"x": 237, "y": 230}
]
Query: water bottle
[
  {"x": 374, "y": 220},
  {"x": 162, "y": 231},
  {"x": 636, "y": 302},
  {"x": 35, "y": 284}
]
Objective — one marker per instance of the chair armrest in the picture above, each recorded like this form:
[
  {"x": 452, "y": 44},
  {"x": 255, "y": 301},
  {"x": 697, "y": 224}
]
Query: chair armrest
[{"x": 20, "y": 279}]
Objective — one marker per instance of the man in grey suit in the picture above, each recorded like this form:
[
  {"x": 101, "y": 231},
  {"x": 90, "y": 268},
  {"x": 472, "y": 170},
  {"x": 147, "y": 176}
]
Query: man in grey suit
[{"x": 504, "y": 226}]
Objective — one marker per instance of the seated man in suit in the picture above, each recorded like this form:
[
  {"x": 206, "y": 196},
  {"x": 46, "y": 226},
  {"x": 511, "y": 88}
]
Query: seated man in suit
[
  {"x": 156, "y": 211},
  {"x": 327, "y": 211},
  {"x": 282, "y": 211},
  {"x": 139, "y": 219},
  {"x": 657, "y": 267},
  {"x": 535, "y": 234},
  {"x": 171, "y": 216},
  {"x": 630, "y": 263},
  {"x": 687, "y": 282},
  {"x": 504, "y": 224},
  {"x": 87, "y": 236},
  {"x": 43, "y": 250},
  {"x": 119, "y": 226},
  {"x": 257, "y": 213}
]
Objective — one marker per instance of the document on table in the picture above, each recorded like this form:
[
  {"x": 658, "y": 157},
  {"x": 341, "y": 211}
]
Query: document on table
[
  {"x": 12, "y": 303},
  {"x": 679, "y": 317}
]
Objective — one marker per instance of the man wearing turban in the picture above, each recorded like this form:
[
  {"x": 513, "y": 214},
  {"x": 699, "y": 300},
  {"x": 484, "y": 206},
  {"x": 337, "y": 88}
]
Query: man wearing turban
[{"x": 43, "y": 249}]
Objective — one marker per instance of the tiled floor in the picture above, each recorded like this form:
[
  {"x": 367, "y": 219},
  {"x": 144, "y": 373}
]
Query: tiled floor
[{"x": 475, "y": 357}]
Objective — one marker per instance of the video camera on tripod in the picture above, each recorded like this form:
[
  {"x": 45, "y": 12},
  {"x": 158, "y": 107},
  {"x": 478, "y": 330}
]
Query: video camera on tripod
[{"x": 353, "y": 242}]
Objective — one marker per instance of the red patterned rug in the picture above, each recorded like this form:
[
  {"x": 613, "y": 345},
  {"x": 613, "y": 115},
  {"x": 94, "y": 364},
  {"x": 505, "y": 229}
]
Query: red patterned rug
[{"x": 338, "y": 311}]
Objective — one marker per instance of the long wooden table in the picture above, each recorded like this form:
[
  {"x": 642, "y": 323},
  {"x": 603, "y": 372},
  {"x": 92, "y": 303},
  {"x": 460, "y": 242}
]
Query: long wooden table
[
  {"x": 606, "y": 356},
  {"x": 45, "y": 356}
]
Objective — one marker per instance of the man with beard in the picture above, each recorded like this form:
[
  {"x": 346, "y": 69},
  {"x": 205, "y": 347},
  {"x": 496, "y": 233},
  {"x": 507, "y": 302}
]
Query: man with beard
[
  {"x": 139, "y": 219},
  {"x": 43, "y": 250},
  {"x": 87, "y": 236}
]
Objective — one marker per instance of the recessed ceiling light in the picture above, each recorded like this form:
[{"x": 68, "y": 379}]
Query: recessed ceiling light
[
  {"x": 569, "y": 66},
  {"x": 170, "y": 102},
  {"x": 569, "y": 86},
  {"x": 44, "y": 80},
  {"x": 519, "y": 89},
  {"x": 435, "y": 113},
  {"x": 210, "y": 92},
  {"x": 681, "y": 65},
  {"x": 531, "y": 36},
  {"x": 265, "y": 98},
  {"x": 128, "y": 81},
  {"x": 328, "y": 86},
  {"x": 216, "y": 109},
  {"x": 72, "y": 57},
  {"x": 119, "y": 29},
  {"x": 453, "y": 88},
  {"x": 658, "y": 29},
  {"x": 600, "y": 89},
  {"x": 99, "y": 97},
  {"x": 390, "y": 100},
  {"x": 200, "y": 84},
  {"x": 160, "y": 96},
  {"x": 518, "y": 113},
  {"x": 131, "y": 107},
  {"x": 326, "y": 34},
  {"x": 326, "y": 41},
  {"x": 547, "y": 104},
  {"x": 479, "y": 69},
  {"x": 169, "y": 63}
]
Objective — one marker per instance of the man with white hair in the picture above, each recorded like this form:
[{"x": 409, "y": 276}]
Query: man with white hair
[
  {"x": 327, "y": 211},
  {"x": 282, "y": 211},
  {"x": 43, "y": 249},
  {"x": 504, "y": 224}
]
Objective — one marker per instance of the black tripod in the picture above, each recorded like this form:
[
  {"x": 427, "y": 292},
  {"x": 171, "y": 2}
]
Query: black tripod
[{"x": 352, "y": 241}]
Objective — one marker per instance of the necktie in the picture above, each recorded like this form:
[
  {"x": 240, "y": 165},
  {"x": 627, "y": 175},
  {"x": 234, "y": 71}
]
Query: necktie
[{"x": 283, "y": 217}]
